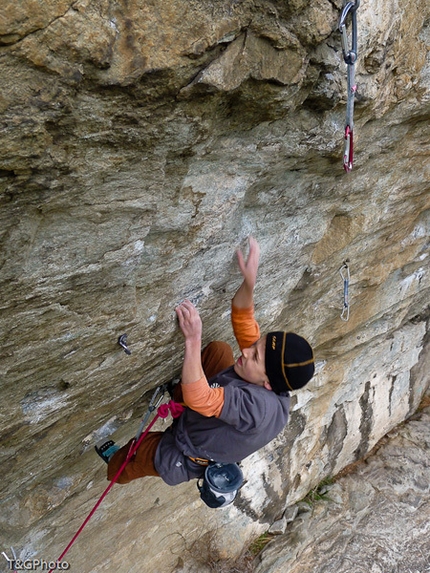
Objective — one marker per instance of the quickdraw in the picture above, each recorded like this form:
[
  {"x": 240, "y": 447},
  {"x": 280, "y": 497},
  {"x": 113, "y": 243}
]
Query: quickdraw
[
  {"x": 344, "y": 273},
  {"x": 350, "y": 57}
]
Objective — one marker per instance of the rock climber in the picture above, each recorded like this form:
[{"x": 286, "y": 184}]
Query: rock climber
[{"x": 233, "y": 407}]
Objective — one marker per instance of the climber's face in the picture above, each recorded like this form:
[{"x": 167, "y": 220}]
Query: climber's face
[{"x": 251, "y": 364}]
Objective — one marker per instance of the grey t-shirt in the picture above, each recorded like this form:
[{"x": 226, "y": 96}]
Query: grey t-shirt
[{"x": 250, "y": 418}]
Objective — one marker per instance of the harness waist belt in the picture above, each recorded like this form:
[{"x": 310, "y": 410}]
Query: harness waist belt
[{"x": 200, "y": 461}]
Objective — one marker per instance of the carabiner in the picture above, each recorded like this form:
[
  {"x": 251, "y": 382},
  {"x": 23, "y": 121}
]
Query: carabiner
[
  {"x": 348, "y": 154},
  {"x": 155, "y": 401},
  {"x": 344, "y": 273},
  {"x": 349, "y": 55}
]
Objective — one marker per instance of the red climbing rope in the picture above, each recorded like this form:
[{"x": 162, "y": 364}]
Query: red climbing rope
[{"x": 162, "y": 412}]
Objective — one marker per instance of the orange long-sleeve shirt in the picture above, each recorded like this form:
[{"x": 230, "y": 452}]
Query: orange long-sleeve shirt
[{"x": 198, "y": 395}]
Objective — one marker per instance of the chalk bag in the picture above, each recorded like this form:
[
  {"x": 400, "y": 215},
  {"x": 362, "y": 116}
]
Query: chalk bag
[{"x": 220, "y": 484}]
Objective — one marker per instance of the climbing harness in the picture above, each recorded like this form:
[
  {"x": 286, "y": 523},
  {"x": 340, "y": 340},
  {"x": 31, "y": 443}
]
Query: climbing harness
[
  {"x": 162, "y": 412},
  {"x": 220, "y": 484},
  {"x": 350, "y": 57},
  {"x": 344, "y": 273}
]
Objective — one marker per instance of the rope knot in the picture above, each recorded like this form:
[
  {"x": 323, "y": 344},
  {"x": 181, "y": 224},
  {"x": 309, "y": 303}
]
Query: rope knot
[{"x": 174, "y": 408}]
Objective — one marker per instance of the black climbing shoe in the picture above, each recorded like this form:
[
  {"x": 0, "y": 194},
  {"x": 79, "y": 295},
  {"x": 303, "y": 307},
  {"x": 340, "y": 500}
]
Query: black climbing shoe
[{"x": 106, "y": 450}]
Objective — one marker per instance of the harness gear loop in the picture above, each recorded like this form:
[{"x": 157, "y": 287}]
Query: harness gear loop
[
  {"x": 350, "y": 58},
  {"x": 201, "y": 461},
  {"x": 344, "y": 273}
]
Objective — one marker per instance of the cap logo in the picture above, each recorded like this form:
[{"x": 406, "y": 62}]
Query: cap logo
[{"x": 273, "y": 342}]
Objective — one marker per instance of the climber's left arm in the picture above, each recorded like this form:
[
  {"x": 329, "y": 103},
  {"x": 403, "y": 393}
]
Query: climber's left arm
[{"x": 197, "y": 393}]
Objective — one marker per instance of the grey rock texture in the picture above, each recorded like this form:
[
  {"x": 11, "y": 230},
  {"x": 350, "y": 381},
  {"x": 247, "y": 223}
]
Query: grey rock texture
[
  {"x": 141, "y": 143},
  {"x": 376, "y": 519}
]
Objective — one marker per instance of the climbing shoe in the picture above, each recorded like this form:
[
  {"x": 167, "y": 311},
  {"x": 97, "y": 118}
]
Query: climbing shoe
[{"x": 106, "y": 450}]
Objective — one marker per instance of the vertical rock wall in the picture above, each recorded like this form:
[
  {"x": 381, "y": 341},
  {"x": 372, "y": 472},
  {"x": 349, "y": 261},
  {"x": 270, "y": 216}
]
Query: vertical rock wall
[{"x": 141, "y": 143}]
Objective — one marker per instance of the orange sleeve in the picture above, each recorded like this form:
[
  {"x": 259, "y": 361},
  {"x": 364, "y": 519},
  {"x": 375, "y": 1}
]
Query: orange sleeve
[
  {"x": 198, "y": 395},
  {"x": 201, "y": 398},
  {"x": 245, "y": 327}
]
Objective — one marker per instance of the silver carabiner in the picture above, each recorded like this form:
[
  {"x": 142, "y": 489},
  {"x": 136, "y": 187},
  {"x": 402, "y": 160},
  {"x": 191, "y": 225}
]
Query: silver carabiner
[
  {"x": 155, "y": 401},
  {"x": 349, "y": 55},
  {"x": 348, "y": 154},
  {"x": 344, "y": 273}
]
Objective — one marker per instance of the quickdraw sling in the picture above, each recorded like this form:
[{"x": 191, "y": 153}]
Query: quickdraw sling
[{"x": 350, "y": 57}]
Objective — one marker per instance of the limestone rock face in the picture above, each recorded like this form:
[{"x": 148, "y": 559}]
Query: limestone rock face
[
  {"x": 141, "y": 143},
  {"x": 374, "y": 519}
]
